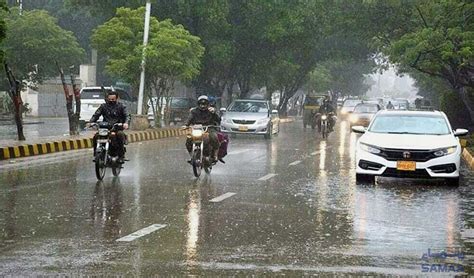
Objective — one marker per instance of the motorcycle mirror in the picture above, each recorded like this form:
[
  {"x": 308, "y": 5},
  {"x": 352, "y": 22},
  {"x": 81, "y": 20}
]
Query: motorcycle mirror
[{"x": 223, "y": 109}]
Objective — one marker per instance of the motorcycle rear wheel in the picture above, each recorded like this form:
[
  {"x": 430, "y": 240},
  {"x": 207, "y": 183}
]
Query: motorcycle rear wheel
[
  {"x": 196, "y": 162},
  {"x": 100, "y": 166}
]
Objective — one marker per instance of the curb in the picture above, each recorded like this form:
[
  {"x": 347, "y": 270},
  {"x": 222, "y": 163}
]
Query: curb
[
  {"x": 468, "y": 157},
  {"x": 82, "y": 143}
]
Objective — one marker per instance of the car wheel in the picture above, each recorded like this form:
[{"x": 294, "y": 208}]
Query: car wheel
[
  {"x": 361, "y": 178},
  {"x": 269, "y": 134},
  {"x": 452, "y": 181}
]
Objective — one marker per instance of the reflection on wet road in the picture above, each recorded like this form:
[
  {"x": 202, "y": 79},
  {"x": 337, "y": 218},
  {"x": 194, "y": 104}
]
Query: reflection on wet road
[{"x": 289, "y": 205}]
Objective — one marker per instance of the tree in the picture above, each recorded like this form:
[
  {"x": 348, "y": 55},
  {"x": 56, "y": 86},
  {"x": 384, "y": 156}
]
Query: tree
[
  {"x": 3, "y": 7},
  {"x": 34, "y": 41},
  {"x": 437, "y": 41},
  {"x": 172, "y": 52}
]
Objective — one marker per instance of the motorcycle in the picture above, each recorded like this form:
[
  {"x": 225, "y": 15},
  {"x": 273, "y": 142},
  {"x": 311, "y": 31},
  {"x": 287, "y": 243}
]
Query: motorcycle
[
  {"x": 324, "y": 126},
  {"x": 106, "y": 152},
  {"x": 201, "y": 152}
]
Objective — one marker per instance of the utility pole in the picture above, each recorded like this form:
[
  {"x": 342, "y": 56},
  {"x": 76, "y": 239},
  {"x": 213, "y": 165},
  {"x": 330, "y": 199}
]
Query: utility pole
[
  {"x": 145, "y": 42},
  {"x": 20, "y": 3}
]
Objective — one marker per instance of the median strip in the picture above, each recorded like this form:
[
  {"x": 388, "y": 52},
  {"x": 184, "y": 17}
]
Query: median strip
[
  {"x": 84, "y": 142},
  {"x": 140, "y": 233},
  {"x": 295, "y": 163}
]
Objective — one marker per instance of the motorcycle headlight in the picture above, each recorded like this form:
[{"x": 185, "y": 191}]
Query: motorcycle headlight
[
  {"x": 324, "y": 117},
  {"x": 445, "y": 151},
  {"x": 196, "y": 133},
  {"x": 370, "y": 149},
  {"x": 262, "y": 121},
  {"x": 103, "y": 132}
]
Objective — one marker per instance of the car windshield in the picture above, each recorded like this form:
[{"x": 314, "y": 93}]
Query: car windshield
[
  {"x": 249, "y": 106},
  {"x": 410, "y": 124},
  {"x": 366, "y": 109},
  {"x": 181, "y": 103},
  {"x": 312, "y": 101},
  {"x": 92, "y": 94},
  {"x": 351, "y": 102}
]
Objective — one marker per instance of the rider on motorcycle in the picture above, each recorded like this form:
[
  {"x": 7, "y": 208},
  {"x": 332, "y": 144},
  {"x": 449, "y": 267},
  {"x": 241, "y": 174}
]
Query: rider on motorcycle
[
  {"x": 325, "y": 109},
  {"x": 204, "y": 114},
  {"x": 112, "y": 112}
]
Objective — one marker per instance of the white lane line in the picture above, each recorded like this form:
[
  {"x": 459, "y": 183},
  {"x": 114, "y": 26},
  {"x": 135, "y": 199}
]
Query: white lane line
[
  {"x": 295, "y": 163},
  {"x": 143, "y": 232},
  {"x": 222, "y": 197},
  {"x": 318, "y": 152},
  {"x": 267, "y": 177}
]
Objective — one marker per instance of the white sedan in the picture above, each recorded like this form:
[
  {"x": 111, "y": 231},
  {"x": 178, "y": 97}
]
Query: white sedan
[{"x": 412, "y": 144}]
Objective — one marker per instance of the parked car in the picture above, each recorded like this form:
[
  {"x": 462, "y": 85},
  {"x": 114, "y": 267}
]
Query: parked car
[
  {"x": 93, "y": 97},
  {"x": 363, "y": 114},
  {"x": 178, "y": 108},
  {"x": 412, "y": 144},
  {"x": 250, "y": 116},
  {"x": 348, "y": 106}
]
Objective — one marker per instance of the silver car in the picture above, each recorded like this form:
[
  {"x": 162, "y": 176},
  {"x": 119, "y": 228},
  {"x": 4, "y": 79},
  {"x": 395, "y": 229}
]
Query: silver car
[{"x": 250, "y": 116}]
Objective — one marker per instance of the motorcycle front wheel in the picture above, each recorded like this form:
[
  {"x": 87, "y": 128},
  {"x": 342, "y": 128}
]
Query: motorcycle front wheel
[
  {"x": 196, "y": 162},
  {"x": 100, "y": 166},
  {"x": 324, "y": 130},
  {"x": 116, "y": 170}
]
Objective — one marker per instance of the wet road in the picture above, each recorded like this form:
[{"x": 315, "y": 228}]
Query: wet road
[{"x": 289, "y": 205}]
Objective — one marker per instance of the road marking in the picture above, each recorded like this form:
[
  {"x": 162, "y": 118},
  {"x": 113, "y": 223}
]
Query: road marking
[
  {"x": 318, "y": 152},
  {"x": 222, "y": 197},
  {"x": 267, "y": 177},
  {"x": 295, "y": 163},
  {"x": 143, "y": 232}
]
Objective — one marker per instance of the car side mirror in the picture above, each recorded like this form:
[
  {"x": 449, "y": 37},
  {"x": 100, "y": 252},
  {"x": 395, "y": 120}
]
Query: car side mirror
[
  {"x": 461, "y": 132},
  {"x": 223, "y": 109},
  {"x": 358, "y": 129}
]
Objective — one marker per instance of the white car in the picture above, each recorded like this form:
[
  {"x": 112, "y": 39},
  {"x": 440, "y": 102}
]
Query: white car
[
  {"x": 250, "y": 116},
  {"x": 412, "y": 144}
]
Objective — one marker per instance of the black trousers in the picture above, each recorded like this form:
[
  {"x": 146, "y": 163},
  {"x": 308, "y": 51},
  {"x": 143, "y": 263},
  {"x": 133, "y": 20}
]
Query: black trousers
[{"x": 117, "y": 141}]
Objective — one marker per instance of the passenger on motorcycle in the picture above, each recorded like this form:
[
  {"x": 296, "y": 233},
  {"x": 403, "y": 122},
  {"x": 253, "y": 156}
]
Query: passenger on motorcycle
[
  {"x": 326, "y": 109},
  {"x": 205, "y": 115},
  {"x": 112, "y": 112}
]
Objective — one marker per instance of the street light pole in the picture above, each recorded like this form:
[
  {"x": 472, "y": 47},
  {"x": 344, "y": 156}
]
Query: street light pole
[{"x": 145, "y": 42}]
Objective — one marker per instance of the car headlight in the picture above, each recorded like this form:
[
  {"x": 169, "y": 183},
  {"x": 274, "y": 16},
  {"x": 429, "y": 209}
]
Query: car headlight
[
  {"x": 227, "y": 121},
  {"x": 262, "y": 121},
  {"x": 370, "y": 149},
  {"x": 445, "y": 151}
]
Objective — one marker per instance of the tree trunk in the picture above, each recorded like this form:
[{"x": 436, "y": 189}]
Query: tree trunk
[
  {"x": 77, "y": 114},
  {"x": 467, "y": 102},
  {"x": 282, "y": 107},
  {"x": 69, "y": 97},
  {"x": 15, "y": 95}
]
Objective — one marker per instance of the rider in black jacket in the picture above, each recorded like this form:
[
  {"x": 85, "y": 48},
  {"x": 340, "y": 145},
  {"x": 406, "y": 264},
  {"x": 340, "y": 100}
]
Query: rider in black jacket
[
  {"x": 325, "y": 109},
  {"x": 205, "y": 115},
  {"x": 113, "y": 112}
]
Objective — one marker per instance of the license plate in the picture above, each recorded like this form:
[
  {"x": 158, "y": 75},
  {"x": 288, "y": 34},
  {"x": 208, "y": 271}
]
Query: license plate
[
  {"x": 102, "y": 140},
  {"x": 406, "y": 165},
  {"x": 177, "y": 119},
  {"x": 243, "y": 128}
]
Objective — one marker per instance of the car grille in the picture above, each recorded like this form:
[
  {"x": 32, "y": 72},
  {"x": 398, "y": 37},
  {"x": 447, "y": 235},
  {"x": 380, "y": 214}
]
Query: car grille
[
  {"x": 243, "y": 122},
  {"x": 248, "y": 130},
  {"x": 415, "y": 155},
  {"x": 418, "y": 173}
]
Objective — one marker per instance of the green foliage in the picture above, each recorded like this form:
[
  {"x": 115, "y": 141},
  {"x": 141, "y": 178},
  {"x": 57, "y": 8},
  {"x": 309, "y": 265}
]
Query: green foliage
[
  {"x": 451, "y": 103},
  {"x": 3, "y": 7},
  {"x": 172, "y": 52},
  {"x": 34, "y": 38}
]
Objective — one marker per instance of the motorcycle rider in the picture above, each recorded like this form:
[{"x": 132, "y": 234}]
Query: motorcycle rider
[
  {"x": 204, "y": 114},
  {"x": 112, "y": 112},
  {"x": 325, "y": 109}
]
